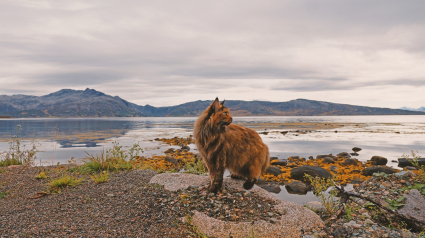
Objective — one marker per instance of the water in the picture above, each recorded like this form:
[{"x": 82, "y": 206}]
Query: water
[{"x": 60, "y": 139}]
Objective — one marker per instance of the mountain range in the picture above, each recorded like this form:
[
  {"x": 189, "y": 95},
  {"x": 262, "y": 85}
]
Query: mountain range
[
  {"x": 421, "y": 109},
  {"x": 92, "y": 103}
]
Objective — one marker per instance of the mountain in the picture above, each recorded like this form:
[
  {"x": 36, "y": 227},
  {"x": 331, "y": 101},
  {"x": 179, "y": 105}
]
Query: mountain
[
  {"x": 422, "y": 109},
  {"x": 92, "y": 103}
]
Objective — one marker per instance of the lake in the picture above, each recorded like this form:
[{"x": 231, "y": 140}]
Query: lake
[{"x": 60, "y": 139}]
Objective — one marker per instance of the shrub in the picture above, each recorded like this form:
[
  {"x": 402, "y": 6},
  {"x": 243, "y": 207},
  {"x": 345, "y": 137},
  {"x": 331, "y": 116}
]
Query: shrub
[
  {"x": 113, "y": 159},
  {"x": 16, "y": 156},
  {"x": 320, "y": 185},
  {"x": 197, "y": 167}
]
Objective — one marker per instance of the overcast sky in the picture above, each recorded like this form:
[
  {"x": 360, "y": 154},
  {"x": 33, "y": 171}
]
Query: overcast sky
[{"x": 163, "y": 53}]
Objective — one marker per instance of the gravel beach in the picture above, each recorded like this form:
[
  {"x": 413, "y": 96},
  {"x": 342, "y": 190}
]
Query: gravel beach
[{"x": 124, "y": 206}]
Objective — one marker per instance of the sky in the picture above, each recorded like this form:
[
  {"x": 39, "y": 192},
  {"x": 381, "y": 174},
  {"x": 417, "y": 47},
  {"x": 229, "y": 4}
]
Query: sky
[{"x": 164, "y": 53}]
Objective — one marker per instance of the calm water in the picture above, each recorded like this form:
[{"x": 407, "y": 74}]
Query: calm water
[{"x": 59, "y": 139}]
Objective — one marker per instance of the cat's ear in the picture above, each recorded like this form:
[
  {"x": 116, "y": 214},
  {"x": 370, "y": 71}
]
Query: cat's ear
[
  {"x": 213, "y": 107},
  {"x": 222, "y": 103}
]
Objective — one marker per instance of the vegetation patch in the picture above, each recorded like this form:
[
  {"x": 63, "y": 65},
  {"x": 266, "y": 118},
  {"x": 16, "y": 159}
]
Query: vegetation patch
[
  {"x": 56, "y": 185},
  {"x": 17, "y": 154},
  {"x": 103, "y": 177},
  {"x": 114, "y": 159}
]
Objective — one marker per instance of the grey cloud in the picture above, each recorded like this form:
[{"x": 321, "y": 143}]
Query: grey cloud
[{"x": 167, "y": 47}]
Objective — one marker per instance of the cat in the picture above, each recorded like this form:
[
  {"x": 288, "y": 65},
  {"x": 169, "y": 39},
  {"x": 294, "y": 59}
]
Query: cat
[{"x": 225, "y": 145}]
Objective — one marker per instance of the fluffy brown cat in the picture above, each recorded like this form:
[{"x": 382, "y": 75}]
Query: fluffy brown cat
[{"x": 225, "y": 145}]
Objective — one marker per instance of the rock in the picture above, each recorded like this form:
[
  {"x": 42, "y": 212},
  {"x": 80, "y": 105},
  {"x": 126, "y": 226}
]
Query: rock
[
  {"x": 344, "y": 155},
  {"x": 185, "y": 147},
  {"x": 328, "y": 160},
  {"x": 378, "y": 169},
  {"x": 171, "y": 159},
  {"x": 411, "y": 168},
  {"x": 281, "y": 162},
  {"x": 353, "y": 224},
  {"x": 356, "y": 149},
  {"x": 295, "y": 159},
  {"x": 284, "y": 132},
  {"x": 350, "y": 162},
  {"x": 272, "y": 187},
  {"x": 293, "y": 221},
  {"x": 273, "y": 170},
  {"x": 379, "y": 160},
  {"x": 296, "y": 187},
  {"x": 403, "y": 162},
  {"x": 273, "y": 158},
  {"x": 334, "y": 169},
  {"x": 414, "y": 206},
  {"x": 405, "y": 174},
  {"x": 354, "y": 154},
  {"x": 260, "y": 181},
  {"x": 324, "y": 156},
  {"x": 315, "y": 206},
  {"x": 298, "y": 173}
]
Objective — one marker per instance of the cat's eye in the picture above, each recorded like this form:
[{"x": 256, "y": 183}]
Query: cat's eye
[{"x": 225, "y": 113}]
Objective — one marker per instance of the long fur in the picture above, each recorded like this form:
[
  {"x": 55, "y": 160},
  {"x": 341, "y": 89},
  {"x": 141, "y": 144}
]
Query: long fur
[{"x": 225, "y": 145}]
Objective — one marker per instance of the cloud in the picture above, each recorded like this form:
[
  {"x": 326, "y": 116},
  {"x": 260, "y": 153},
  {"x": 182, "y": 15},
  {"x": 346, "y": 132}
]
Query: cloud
[{"x": 163, "y": 53}]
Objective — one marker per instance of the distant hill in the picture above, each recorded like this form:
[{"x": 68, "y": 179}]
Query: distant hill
[
  {"x": 421, "y": 109},
  {"x": 92, "y": 103}
]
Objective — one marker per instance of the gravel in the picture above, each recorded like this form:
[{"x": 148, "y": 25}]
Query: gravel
[{"x": 125, "y": 206}]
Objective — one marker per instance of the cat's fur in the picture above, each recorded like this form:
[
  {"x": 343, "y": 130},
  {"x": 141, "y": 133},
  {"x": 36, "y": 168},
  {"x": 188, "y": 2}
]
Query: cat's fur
[{"x": 225, "y": 145}]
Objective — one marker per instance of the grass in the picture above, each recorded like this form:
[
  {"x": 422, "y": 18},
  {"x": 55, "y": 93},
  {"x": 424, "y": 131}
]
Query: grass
[
  {"x": 193, "y": 228},
  {"x": 415, "y": 162},
  {"x": 3, "y": 194},
  {"x": 16, "y": 154},
  {"x": 197, "y": 167},
  {"x": 103, "y": 177},
  {"x": 114, "y": 159},
  {"x": 320, "y": 185},
  {"x": 56, "y": 185},
  {"x": 41, "y": 175}
]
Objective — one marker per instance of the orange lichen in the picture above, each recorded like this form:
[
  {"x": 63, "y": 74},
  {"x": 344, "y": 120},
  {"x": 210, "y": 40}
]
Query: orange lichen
[
  {"x": 177, "y": 140},
  {"x": 344, "y": 173}
]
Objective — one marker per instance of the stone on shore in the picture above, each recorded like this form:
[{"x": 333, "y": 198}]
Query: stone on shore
[
  {"x": 403, "y": 162},
  {"x": 356, "y": 149},
  {"x": 350, "y": 162},
  {"x": 296, "y": 187},
  {"x": 414, "y": 207},
  {"x": 378, "y": 169},
  {"x": 298, "y": 173},
  {"x": 315, "y": 206},
  {"x": 296, "y": 218},
  {"x": 272, "y": 187},
  {"x": 273, "y": 170},
  {"x": 281, "y": 162},
  {"x": 379, "y": 160}
]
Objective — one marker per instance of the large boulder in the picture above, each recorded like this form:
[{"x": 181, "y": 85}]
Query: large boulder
[
  {"x": 403, "y": 162},
  {"x": 273, "y": 170},
  {"x": 296, "y": 187},
  {"x": 378, "y": 169},
  {"x": 379, "y": 160},
  {"x": 350, "y": 162},
  {"x": 414, "y": 207},
  {"x": 315, "y": 171},
  {"x": 281, "y": 162},
  {"x": 294, "y": 219}
]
